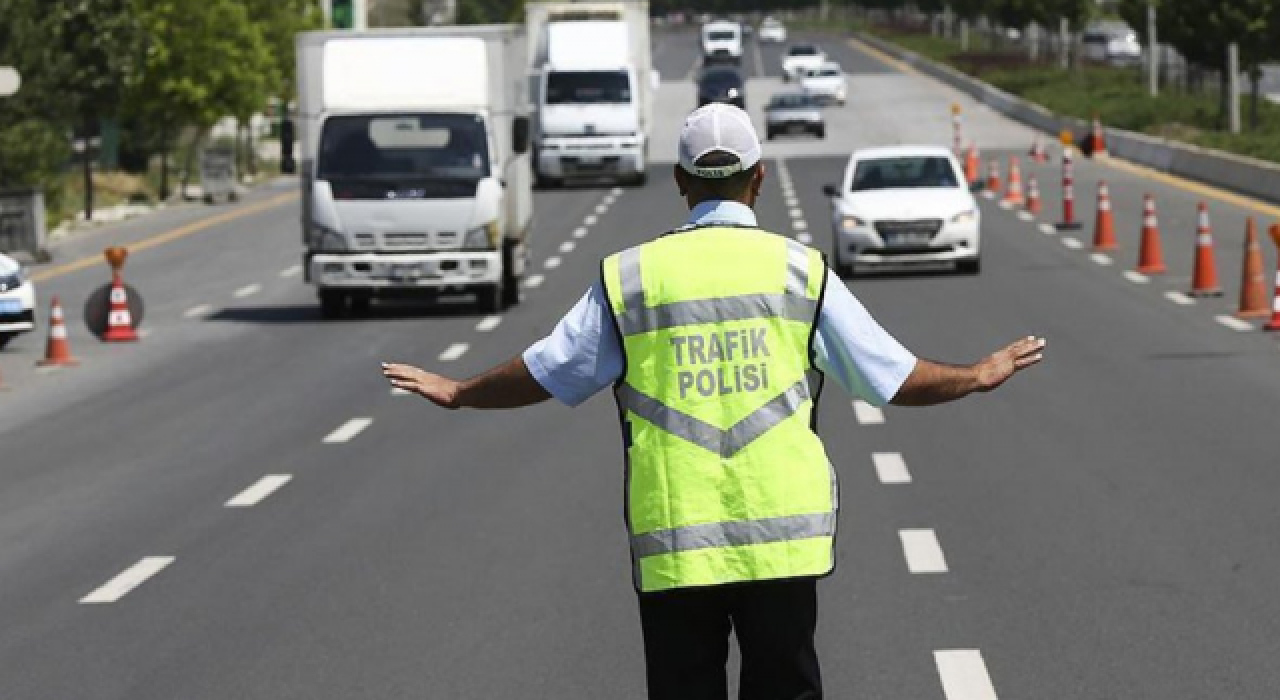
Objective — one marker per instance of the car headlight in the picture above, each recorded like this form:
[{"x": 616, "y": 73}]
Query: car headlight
[
  {"x": 849, "y": 222},
  {"x": 327, "y": 240},
  {"x": 967, "y": 216},
  {"x": 484, "y": 237}
]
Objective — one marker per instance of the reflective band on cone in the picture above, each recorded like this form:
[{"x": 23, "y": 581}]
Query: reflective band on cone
[
  {"x": 58, "y": 350},
  {"x": 1104, "y": 229},
  {"x": 1013, "y": 195},
  {"x": 1033, "y": 196},
  {"x": 1204, "y": 279},
  {"x": 1068, "y": 222},
  {"x": 1151, "y": 254},
  {"x": 1253, "y": 280},
  {"x": 119, "y": 320}
]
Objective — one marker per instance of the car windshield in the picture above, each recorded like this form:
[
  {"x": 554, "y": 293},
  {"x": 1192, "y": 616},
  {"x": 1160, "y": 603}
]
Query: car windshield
[
  {"x": 791, "y": 101},
  {"x": 588, "y": 87},
  {"x": 802, "y": 51},
  {"x": 903, "y": 172},
  {"x": 404, "y": 146},
  {"x": 722, "y": 35}
]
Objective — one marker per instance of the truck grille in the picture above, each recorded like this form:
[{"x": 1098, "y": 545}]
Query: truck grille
[{"x": 407, "y": 240}]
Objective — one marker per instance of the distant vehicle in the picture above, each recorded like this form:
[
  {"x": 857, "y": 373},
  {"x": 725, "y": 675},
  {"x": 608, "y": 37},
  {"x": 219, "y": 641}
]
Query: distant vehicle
[
  {"x": 772, "y": 31},
  {"x": 800, "y": 59},
  {"x": 1115, "y": 44},
  {"x": 826, "y": 84},
  {"x": 793, "y": 113},
  {"x": 722, "y": 41},
  {"x": 906, "y": 205},
  {"x": 17, "y": 301},
  {"x": 722, "y": 85}
]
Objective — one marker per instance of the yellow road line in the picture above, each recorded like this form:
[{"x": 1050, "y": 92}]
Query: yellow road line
[
  {"x": 166, "y": 237},
  {"x": 1200, "y": 188}
]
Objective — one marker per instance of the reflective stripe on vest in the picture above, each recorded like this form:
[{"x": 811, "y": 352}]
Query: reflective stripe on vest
[{"x": 733, "y": 485}]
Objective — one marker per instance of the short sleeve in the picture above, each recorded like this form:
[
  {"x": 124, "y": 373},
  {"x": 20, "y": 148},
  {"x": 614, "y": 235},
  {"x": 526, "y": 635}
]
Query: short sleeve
[
  {"x": 855, "y": 350},
  {"x": 582, "y": 355}
]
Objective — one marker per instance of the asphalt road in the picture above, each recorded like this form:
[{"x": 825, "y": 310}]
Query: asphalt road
[{"x": 1100, "y": 528}]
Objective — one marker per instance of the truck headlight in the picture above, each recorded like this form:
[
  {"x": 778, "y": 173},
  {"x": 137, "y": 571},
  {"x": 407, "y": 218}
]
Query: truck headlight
[
  {"x": 849, "y": 223},
  {"x": 13, "y": 280},
  {"x": 484, "y": 237},
  {"x": 965, "y": 217},
  {"x": 328, "y": 240}
]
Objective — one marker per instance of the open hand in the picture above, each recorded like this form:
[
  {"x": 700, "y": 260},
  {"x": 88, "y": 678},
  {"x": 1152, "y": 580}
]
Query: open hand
[
  {"x": 439, "y": 390},
  {"x": 1002, "y": 364}
]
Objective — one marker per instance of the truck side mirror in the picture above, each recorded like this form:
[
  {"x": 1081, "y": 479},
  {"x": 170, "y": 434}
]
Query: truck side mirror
[
  {"x": 830, "y": 191},
  {"x": 520, "y": 135}
]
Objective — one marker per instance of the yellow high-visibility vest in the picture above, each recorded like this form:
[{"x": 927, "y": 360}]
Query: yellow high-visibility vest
[{"x": 726, "y": 479}]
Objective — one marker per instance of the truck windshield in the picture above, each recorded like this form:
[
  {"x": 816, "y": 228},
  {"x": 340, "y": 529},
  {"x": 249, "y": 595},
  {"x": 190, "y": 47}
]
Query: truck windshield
[
  {"x": 722, "y": 35},
  {"x": 588, "y": 87},
  {"x": 404, "y": 147}
]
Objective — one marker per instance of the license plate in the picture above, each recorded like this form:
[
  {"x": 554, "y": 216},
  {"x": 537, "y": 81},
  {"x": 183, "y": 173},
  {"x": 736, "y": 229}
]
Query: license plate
[
  {"x": 10, "y": 306},
  {"x": 406, "y": 271},
  {"x": 905, "y": 239},
  {"x": 796, "y": 127}
]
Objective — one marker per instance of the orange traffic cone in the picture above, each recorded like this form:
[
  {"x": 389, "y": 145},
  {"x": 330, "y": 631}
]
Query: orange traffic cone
[
  {"x": 1253, "y": 282},
  {"x": 1104, "y": 227},
  {"x": 58, "y": 350},
  {"x": 1151, "y": 256},
  {"x": 1038, "y": 153},
  {"x": 993, "y": 177},
  {"x": 1033, "y": 196},
  {"x": 972, "y": 166},
  {"x": 119, "y": 319},
  {"x": 1099, "y": 138},
  {"x": 1204, "y": 280},
  {"x": 1274, "y": 323},
  {"x": 1013, "y": 195}
]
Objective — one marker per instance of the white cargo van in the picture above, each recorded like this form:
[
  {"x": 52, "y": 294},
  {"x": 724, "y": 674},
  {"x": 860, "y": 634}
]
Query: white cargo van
[
  {"x": 722, "y": 41},
  {"x": 415, "y": 178},
  {"x": 592, "y": 83}
]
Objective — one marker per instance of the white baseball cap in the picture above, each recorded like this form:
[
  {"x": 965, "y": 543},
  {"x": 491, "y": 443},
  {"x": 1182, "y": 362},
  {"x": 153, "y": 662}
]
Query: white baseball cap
[{"x": 722, "y": 128}]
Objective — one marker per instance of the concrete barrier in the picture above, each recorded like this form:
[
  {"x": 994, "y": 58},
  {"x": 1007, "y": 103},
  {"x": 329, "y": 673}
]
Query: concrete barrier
[{"x": 1248, "y": 176}]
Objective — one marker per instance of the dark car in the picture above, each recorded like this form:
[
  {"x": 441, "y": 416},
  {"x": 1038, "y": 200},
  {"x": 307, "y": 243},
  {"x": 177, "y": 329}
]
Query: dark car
[{"x": 722, "y": 85}]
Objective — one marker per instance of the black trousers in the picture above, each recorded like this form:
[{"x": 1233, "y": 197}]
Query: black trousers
[{"x": 686, "y": 641}]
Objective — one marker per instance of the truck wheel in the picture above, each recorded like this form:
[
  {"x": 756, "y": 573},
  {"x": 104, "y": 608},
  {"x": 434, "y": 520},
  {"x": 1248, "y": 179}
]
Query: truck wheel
[
  {"x": 490, "y": 298},
  {"x": 970, "y": 266},
  {"x": 5, "y": 338},
  {"x": 361, "y": 304},
  {"x": 640, "y": 180},
  {"x": 333, "y": 304},
  {"x": 510, "y": 283}
]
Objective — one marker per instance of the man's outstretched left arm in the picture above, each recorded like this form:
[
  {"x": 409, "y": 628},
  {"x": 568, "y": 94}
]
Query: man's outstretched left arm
[{"x": 509, "y": 385}]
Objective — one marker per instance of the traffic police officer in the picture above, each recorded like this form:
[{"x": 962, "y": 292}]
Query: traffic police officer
[{"x": 713, "y": 337}]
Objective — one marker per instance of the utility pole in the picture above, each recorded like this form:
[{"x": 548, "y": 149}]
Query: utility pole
[
  {"x": 1153, "y": 52},
  {"x": 1233, "y": 87},
  {"x": 346, "y": 14}
]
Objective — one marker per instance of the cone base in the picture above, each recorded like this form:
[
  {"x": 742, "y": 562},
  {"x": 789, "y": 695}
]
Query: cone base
[
  {"x": 1068, "y": 225},
  {"x": 1105, "y": 247},
  {"x": 120, "y": 337},
  {"x": 1151, "y": 270},
  {"x": 1273, "y": 326},
  {"x": 1205, "y": 293},
  {"x": 1256, "y": 313},
  {"x": 68, "y": 362}
]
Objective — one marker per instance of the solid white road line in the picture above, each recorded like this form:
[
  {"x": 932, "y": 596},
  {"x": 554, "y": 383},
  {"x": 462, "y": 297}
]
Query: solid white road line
[
  {"x": 964, "y": 675},
  {"x": 534, "y": 281},
  {"x": 590, "y": 220},
  {"x": 347, "y": 431},
  {"x": 922, "y": 551},
  {"x": 891, "y": 468},
  {"x": 255, "y": 494},
  {"x": 488, "y": 323},
  {"x": 552, "y": 262},
  {"x": 1136, "y": 277},
  {"x": 867, "y": 414},
  {"x": 580, "y": 232},
  {"x": 1048, "y": 229},
  {"x": 1072, "y": 243},
  {"x": 568, "y": 246},
  {"x": 248, "y": 290},
  {"x": 1234, "y": 323},
  {"x": 1101, "y": 258},
  {"x": 127, "y": 580},
  {"x": 1179, "y": 298},
  {"x": 198, "y": 311},
  {"x": 454, "y": 351},
  {"x": 291, "y": 271}
]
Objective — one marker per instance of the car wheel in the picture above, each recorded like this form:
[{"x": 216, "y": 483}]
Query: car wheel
[
  {"x": 333, "y": 304},
  {"x": 5, "y": 338},
  {"x": 969, "y": 266},
  {"x": 490, "y": 298},
  {"x": 510, "y": 283},
  {"x": 640, "y": 180},
  {"x": 821, "y": 132}
]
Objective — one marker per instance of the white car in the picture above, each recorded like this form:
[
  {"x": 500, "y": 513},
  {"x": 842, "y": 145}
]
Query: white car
[
  {"x": 722, "y": 41},
  {"x": 905, "y": 205},
  {"x": 17, "y": 301},
  {"x": 826, "y": 84},
  {"x": 771, "y": 30},
  {"x": 800, "y": 59}
]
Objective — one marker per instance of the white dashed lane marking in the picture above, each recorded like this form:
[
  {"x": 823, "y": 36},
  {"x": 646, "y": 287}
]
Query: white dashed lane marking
[
  {"x": 348, "y": 431},
  {"x": 804, "y": 238},
  {"x": 796, "y": 214},
  {"x": 127, "y": 580},
  {"x": 964, "y": 675},
  {"x": 255, "y": 494},
  {"x": 552, "y": 262},
  {"x": 534, "y": 281},
  {"x": 1026, "y": 215},
  {"x": 248, "y": 290},
  {"x": 454, "y": 351},
  {"x": 1234, "y": 323},
  {"x": 601, "y": 208},
  {"x": 291, "y": 271},
  {"x": 580, "y": 232},
  {"x": 567, "y": 247},
  {"x": 1101, "y": 258},
  {"x": 1048, "y": 229},
  {"x": 488, "y": 323},
  {"x": 1179, "y": 298},
  {"x": 891, "y": 468},
  {"x": 1072, "y": 243},
  {"x": 590, "y": 220},
  {"x": 867, "y": 414},
  {"x": 1136, "y": 277},
  {"x": 617, "y": 192},
  {"x": 198, "y": 311},
  {"x": 922, "y": 552}
]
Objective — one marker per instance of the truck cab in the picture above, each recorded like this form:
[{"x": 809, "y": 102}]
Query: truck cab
[{"x": 722, "y": 41}]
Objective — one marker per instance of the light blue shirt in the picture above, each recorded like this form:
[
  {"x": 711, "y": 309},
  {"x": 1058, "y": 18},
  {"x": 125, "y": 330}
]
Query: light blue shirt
[{"x": 583, "y": 354}]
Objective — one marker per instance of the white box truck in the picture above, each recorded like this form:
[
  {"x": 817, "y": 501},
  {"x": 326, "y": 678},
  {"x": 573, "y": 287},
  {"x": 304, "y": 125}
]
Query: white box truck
[
  {"x": 415, "y": 171},
  {"x": 593, "y": 84}
]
